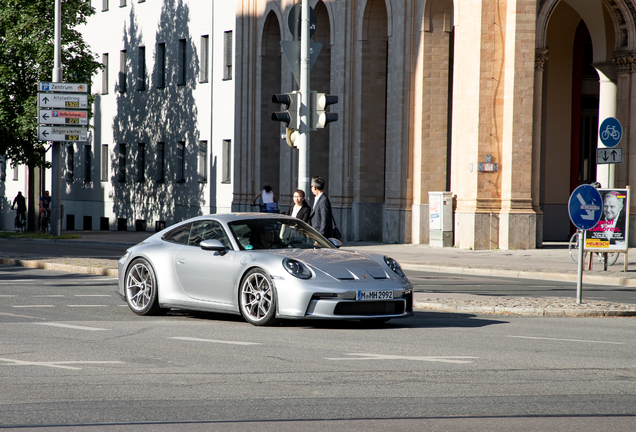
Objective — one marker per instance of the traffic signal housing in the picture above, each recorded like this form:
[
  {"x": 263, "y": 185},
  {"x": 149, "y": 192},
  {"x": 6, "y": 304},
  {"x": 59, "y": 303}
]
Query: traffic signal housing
[
  {"x": 291, "y": 116},
  {"x": 319, "y": 103}
]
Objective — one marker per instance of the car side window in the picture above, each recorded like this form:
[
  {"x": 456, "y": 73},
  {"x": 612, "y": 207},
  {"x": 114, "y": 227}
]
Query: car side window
[
  {"x": 208, "y": 230},
  {"x": 179, "y": 235}
]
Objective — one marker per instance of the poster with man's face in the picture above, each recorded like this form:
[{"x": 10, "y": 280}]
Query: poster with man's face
[{"x": 611, "y": 232}]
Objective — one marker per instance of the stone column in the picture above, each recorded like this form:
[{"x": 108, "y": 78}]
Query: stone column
[
  {"x": 626, "y": 114},
  {"x": 540, "y": 57},
  {"x": 517, "y": 220},
  {"x": 605, "y": 174}
]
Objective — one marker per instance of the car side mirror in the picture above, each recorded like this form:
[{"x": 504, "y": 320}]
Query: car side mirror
[
  {"x": 213, "y": 245},
  {"x": 337, "y": 243}
]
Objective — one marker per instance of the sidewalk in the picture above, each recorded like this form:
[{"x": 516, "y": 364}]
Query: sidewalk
[{"x": 552, "y": 262}]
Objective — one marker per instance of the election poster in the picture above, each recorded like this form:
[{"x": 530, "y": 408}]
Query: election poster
[{"x": 612, "y": 231}]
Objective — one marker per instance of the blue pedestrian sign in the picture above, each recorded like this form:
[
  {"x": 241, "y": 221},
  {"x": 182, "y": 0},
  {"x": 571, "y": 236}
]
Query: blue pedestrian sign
[
  {"x": 610, "y": 132},
  {"x": 585, "y": 207}
]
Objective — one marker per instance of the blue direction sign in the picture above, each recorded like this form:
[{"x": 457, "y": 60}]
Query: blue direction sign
[
  {"x": 610, "y": 132},
  {"x": 585, "y": 207}
]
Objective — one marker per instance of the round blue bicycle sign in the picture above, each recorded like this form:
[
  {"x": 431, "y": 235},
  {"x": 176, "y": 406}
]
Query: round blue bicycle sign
[
  {"x": 610, "y": 132},
  {"x": 585, "y": 207}
]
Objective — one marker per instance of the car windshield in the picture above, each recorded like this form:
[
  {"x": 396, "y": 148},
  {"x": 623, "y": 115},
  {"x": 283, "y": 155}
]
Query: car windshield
[{"x": 270, "y": 233}]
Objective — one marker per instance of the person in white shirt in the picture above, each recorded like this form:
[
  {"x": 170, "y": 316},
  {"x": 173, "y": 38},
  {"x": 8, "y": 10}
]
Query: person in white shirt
[{"x": 269, "y": 199}]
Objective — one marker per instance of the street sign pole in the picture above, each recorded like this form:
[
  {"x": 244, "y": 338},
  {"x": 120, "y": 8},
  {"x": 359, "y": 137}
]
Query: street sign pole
[
  {"x": 56, "y": 150},
  {"x": 303, "y": 138},
  {"x": 579, "y": 278}
]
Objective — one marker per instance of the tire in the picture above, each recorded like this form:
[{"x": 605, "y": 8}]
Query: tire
[
  {"x": 257, "y": 298},
  {"x": 612, "y": 257},
  {"x": 140, "y": 288},
  {"x": 574, "y": 248}
]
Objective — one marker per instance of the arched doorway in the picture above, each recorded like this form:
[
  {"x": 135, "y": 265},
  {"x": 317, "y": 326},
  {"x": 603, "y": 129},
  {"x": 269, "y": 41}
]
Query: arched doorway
[
  {"x": 577, "y": 41},
  {"x": 268, "y": 171}
]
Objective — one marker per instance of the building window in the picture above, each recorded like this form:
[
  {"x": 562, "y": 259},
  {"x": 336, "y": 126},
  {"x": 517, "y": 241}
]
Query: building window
[
  {"x": 161, "y": 162},
  {"x": 161, "y": 65},
  {"x": 87, "y": 163},
  {"x": 202, "y": 167},
  {"x": 104, "y": 171},
  {"x": 205, "y": 47},
  {"x": 105, "y": 74},
  {"x": 226, "y": 173},
  {"x": 141, "y": 69},
  {"x": 122, "y": 163},
  {"x": 181, "y": 162},
  {"x": 227, "y": 55},
  {"x": 141, "y": 162},
  {"x": 122, "y": 71},
  {"x": 122, "y": 3},
  {"x": 15, "y": 173},
  {"x": 181, "y": 80},
  {"x": 70, "y": 162},
  {"x": 3, "y": 168},
  {"x": 104, "y": 5}
]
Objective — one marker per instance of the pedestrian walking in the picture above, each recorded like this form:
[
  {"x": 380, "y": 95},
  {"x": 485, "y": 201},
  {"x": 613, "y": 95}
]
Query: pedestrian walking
[
  {"x": 300, "y": 209},
  {"x": 321, "y": 215}
]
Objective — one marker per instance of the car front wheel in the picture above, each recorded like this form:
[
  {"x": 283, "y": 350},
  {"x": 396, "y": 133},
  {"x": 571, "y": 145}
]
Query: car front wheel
[
  {"x": 257, "y": 298},
  {"x": 141, "y": 288}
]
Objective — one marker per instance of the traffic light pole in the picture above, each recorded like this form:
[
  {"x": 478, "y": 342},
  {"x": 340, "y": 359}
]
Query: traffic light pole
[
  {"x": 56, "y": 151},
  {"x": 303, "y": 138}
]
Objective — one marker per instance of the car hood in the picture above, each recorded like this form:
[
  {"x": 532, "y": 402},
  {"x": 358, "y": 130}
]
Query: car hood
[{"x": 343, "y": 265}]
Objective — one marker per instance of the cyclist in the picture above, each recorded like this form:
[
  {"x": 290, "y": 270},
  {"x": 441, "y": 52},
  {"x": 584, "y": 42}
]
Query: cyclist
[
  {"x": 45, "y": 209},
  {"x": 21, "y": 202}
]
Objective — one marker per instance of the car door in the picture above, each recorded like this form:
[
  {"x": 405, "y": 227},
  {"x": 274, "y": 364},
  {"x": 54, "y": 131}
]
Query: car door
[{"x": 206, "y": 275}]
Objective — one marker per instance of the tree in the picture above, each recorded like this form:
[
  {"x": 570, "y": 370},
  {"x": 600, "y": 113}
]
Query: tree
[{"x": 26, "y": 58}]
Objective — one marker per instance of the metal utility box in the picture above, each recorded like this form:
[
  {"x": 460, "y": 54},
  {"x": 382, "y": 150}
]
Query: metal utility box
[{"x": 440, "y": 208}]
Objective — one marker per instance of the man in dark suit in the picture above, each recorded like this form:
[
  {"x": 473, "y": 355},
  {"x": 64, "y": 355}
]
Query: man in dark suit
[{"x": 321, "y": 212}]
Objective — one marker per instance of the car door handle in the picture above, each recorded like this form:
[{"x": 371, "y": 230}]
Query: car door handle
[{"x": 181, "y": 261}]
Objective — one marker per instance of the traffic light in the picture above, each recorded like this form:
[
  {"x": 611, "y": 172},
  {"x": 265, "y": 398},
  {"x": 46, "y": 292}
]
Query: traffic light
[
  {"x": 291, "y": 116},
  {"x": 320, "y": 102}
]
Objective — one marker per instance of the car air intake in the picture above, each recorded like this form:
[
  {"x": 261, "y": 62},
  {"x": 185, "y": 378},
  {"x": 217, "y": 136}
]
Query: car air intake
[{"x": 370, "y": 308}]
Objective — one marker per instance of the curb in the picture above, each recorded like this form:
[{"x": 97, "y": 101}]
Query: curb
[
  {"x": 100, "y": 271},
  {"x": 523, "y": 274},
  {"x": 522, "y": 311}
]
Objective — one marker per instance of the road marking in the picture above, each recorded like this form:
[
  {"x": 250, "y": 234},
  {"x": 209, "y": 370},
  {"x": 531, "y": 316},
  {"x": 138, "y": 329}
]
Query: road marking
[
  {"x": 50, "y": 295},
  {"x": 443, "y": 359},
  {"x": 567, "y": 340},
  {"x": 32, "y": 306},
  {"x": 92, "y": 295},
  {"x": 214, "y": 341},
  {"x": 53, "y": 324},
  {"x": 59, "y": 364},
  {"x": 20, "y": 316},
  {"x": 87, "y": 305},
  {"x": 7, "y": 295}
]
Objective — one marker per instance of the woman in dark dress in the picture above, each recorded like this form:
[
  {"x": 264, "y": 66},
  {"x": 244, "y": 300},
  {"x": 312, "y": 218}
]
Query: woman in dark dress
[{"x": 300, "y": 209}]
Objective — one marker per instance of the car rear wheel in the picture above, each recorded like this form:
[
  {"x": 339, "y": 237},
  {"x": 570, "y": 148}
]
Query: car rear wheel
[
  {"x": 141, "y": 288},
  {"x": 257, "y": 298}
]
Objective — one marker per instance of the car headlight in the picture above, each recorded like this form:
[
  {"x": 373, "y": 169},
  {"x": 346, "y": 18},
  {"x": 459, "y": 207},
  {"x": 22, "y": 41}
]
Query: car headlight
[
  {"x": 296, "y": 268},
  {"x": 394, "y": 266}
]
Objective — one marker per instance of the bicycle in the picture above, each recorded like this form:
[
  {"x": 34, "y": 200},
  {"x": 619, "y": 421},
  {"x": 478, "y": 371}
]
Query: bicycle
[
  {"x": 20, "y": 222},
  {"x": 612, "y": 257},
  {"x": 45, "y": 226},
  {"x": 610, "y": 131}
]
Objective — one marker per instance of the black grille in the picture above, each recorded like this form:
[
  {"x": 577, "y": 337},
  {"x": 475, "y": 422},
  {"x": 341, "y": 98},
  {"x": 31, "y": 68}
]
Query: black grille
[{"x": 370, "y": 308}]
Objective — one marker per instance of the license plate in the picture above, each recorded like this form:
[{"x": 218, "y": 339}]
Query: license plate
[{"x": 374, "y": 295}]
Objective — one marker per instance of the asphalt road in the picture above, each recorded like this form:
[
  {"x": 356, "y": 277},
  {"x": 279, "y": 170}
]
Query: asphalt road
[{"x": 71, "y": 352}]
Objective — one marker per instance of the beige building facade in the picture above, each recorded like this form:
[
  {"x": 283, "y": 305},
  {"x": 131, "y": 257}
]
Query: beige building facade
[{"x": 497, "y": 101}]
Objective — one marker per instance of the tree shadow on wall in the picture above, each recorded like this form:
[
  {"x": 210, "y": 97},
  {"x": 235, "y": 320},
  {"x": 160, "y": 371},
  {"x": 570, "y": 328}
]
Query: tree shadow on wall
[{"x": 156, "y": 139}]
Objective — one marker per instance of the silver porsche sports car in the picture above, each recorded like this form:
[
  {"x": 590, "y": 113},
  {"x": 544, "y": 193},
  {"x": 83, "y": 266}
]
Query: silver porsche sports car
[{"x": 262, "y": 266}]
